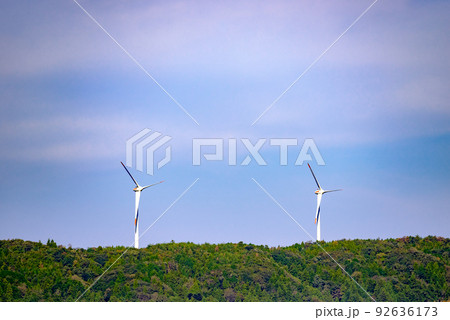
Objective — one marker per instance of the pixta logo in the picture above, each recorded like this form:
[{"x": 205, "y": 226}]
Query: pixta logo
[
  {"x": 144, "y": 145},
  {"x": 253, "y": 151}
]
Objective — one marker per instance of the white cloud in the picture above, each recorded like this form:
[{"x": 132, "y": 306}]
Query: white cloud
[
  {"x": 429, "y": 93},
  {"x": 400, "y": 42},
  {"x": 248, "y": 37},
  {"x": 57, "y": 138}
]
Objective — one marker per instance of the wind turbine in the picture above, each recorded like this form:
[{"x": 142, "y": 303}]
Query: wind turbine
[
  {"x": 138, "y": 189},
  {"x": 319, "y": 193}
]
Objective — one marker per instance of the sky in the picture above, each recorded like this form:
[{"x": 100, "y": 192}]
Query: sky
[{"x": 376, "y": 104}]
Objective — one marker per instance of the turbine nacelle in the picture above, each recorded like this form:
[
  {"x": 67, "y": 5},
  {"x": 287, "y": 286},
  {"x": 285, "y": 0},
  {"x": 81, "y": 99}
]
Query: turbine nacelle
[
  {"x": 138, "y": 188},
  {"x": 321, "y": 191}
]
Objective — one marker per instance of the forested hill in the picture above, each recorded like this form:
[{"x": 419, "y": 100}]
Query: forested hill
[{"x": 405, "y": 269}]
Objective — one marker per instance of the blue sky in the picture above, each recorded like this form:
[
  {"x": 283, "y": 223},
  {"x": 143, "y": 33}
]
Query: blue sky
[{"x": 376, "y": 105}]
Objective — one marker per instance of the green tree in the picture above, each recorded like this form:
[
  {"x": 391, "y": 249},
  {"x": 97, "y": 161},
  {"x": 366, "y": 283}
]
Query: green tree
[
  {"x": 352, "y": 293},
  {"x": 9, "y": 293},
  {"x": 51, "y": 243},
  {"x": 383, "y": 291}
]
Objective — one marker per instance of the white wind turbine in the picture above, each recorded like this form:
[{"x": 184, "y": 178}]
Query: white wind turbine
[
  {"x": 138, "y": 189},
  {"x": 319, "y": 193}
]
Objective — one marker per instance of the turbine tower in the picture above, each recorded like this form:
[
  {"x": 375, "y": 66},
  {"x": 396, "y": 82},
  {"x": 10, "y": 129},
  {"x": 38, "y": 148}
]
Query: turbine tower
[
  {"x": 137, "y": 191},
  {"x": 319, "y": 193}
]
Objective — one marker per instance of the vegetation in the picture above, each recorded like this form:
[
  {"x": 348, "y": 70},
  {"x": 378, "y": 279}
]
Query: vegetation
[{"x": 405, "y": 269}]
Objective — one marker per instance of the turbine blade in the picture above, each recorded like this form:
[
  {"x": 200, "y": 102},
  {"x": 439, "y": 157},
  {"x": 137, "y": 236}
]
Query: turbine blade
[
  {"x": 152, "y": 185},
  {"x": 319, "y": 199},
  {"x": 137, "y": 185},
  {"x": 326, "y": 191},
  {"x": 317, "y": 182}
]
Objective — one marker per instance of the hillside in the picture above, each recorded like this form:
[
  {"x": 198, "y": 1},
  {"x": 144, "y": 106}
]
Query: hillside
[{"x": 405, "y": 269}]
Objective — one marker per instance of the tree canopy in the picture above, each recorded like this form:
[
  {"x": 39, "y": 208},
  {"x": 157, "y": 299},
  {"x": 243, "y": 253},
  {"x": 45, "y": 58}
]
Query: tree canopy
[{"x": 404, "y": 269}]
